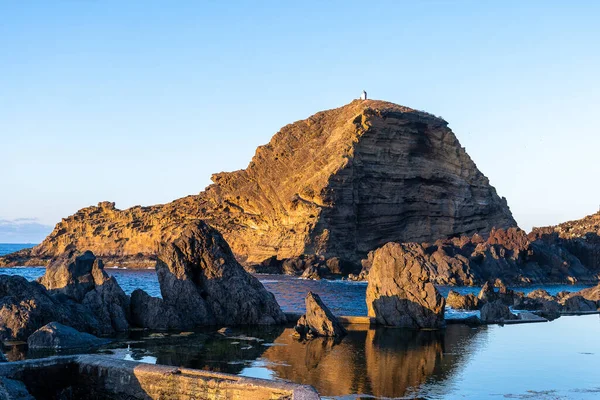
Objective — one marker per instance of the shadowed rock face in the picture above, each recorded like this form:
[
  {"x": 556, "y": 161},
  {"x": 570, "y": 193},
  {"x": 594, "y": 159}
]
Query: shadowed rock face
[
  {"x": 400, "y": 292},
  {"x": 201, "y": 282},
  {"x": 81, "y": 277},
  {"x": 26, "y": 306},
  {"x": 340, "y": 183}
]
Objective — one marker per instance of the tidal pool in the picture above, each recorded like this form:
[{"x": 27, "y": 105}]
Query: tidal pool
[{"x": 554, "y": 360}]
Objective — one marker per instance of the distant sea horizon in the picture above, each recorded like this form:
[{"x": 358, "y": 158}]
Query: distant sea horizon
[{"x": 7, "y": 248}]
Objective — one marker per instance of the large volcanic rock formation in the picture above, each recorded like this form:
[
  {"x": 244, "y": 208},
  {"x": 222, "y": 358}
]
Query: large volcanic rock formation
[{"x": 340, "y": 183}]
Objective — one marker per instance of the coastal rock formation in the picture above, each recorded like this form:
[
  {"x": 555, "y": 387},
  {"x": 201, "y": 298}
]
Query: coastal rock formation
[
  {"x": 27, "y": 306},
  {"x": 82, "y": 278},
  {"x": 539, "y": 300},
  {"x": 496, "y": 312},
  {"x": 509, "y": 255},
  {"x": 400, "y": 292},
  {"x": 339, "y": 184},
  {"x": 56, "y": 336},
  {"x": 201, "y": 280},
  {"x": 318, "y": 320},
  {"x": 462, "y": 302}
]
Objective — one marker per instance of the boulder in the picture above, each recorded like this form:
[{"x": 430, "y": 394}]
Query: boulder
[
  {"x": 81, "y": 277},
  {"x": 201, "y": 279},
  {"x": 60, "y": 337},
  {"x": 74, "y": 274},
  {"x": 462, "y": 302},
  {"x": 2, "y": 357},
  {"x": 496, "y": 312},
  {"x": 399, "y": 291},
  {"x": 318, "y": 320},
  {"x": 27, "y": 306}
]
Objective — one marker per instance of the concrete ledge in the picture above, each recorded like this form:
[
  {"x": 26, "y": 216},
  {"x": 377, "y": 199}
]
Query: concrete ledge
[{"x": 97, "y": 376}]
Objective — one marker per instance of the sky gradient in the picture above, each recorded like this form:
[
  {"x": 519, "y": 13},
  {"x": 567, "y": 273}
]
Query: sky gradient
[{"x": 139, "y": 102}]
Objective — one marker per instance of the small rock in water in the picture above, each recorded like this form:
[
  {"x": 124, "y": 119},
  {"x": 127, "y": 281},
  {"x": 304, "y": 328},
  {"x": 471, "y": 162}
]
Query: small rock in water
[{"x": 318, "y": 320}]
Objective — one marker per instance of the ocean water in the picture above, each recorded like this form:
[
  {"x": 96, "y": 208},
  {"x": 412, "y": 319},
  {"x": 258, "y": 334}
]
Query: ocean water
[
  {"x": 6, "y": 248},
  {"x": 552, "y": 360}
]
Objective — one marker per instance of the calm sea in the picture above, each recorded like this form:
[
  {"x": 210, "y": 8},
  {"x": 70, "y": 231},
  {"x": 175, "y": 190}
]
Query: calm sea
[{"x": 554, "y": 360}]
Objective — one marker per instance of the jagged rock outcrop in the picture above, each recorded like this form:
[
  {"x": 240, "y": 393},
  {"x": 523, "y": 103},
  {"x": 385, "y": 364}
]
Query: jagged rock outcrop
[
  {"x": 339, "y": 184},
  {"x": 57, "y": 336},
  {"x": 202, "y": 283},
  {"x": 81, "y": 277},
  {"x": 27, "y": 306},
  {"x": 510, "y": 255},
  {"x": 541, "y": 301},
  {"x": 400, "y": 292},
  {"x": 318, "y": 320}
]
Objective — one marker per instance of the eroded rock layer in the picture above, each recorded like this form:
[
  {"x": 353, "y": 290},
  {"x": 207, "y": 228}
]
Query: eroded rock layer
[{"x": 340, "y": 183}]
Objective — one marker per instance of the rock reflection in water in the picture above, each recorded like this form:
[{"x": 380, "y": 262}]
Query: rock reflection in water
[{"x": 381, "y": 362}]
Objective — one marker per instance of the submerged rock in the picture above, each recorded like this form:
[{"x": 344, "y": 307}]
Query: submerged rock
[
  {"x": 496, "y": 312},
  {"x": 60, "y": 337},
  {"x": 399, "y": 291},
  {"x": 201, "y": 281},
  {"x": 318, "y": 320},
  {"x": 462, "y": 302}
]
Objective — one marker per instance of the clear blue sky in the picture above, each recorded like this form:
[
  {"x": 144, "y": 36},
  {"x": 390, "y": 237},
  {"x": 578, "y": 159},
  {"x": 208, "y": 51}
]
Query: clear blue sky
[{"x": 139, "y": 102}]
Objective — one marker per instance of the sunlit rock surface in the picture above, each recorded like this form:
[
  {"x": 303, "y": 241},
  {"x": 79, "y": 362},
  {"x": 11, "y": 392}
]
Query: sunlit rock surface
[{"x": 340, "y": 183}]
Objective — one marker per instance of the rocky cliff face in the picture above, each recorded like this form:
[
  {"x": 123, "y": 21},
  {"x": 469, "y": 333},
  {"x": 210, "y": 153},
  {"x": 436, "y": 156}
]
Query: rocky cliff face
[{"x": 340, "y": 183}]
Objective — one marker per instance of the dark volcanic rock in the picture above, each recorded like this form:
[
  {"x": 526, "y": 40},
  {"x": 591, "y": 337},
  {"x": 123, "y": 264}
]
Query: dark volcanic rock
[
  {"x": 340, "y": 184},
  {"x": 462, "y": 302},
  {"x": 399, "y": 291},
  {"x": 496, "y": 312},
  {"x": 318, "y": 320},
  {"x": 82, "y": 278},
  {"x": 26, "y": 306},
  {"x": 201, "y": 279},
  {"x": 59, "y": 337},
  {"x": 74, "y": 274},
  {"x": 154, "y": 313}
]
